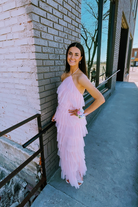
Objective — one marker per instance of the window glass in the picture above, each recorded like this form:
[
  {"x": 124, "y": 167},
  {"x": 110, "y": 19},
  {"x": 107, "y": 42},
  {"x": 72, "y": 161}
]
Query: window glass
[
  {"x": 105, "y": 23},
  {"x": 89, "y": 30},
  {"x": 129, "y": 54},
  {"x": 135, "y": 53},
  {"x": 134, "y": 8}
]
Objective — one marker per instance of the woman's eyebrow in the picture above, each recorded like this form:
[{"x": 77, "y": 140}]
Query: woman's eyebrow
[{"x": 75, "y": 53}]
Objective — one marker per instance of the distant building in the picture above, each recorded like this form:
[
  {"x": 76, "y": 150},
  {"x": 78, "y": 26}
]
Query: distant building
[{"x": 134, "y": 57}]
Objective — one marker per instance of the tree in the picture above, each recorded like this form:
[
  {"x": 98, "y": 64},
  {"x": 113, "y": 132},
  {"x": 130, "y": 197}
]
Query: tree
[{"x": 89, "y": 33}]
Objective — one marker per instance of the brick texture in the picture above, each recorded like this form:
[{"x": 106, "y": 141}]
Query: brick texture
[
  {"x": 34, "y": 35},
  {"x": 58, "y": 27},
  {"x": 19, "y": 95}
]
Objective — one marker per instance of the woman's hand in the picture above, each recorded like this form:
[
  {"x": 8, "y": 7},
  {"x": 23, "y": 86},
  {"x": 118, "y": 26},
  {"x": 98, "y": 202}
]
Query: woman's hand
[
  {"x": 53, "y": 120},
  {"x": 73, "y": 112}
]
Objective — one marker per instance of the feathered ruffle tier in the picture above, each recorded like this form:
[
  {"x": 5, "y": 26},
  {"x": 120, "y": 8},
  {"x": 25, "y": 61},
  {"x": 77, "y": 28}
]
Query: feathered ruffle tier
[
  {"x": 68, "y": 94},
  {"x": 70, "y": 132}
]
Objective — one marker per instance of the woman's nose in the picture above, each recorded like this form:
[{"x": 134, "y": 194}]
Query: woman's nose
[{"x": 72, "y": 56}]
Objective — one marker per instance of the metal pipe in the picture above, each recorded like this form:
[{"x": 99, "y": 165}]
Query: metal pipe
[
  {"x": 42, "y": 151},
  {"x": 32, "y": 192},
  {"x": 18, "y": 169},
  {"x": 18, "y": 125},
  {"x": 48, "y": 126},
  {"x": 100, "y": 14},
  {"x": 108, "y": 79},
  {"x": 104, "y": 81}
]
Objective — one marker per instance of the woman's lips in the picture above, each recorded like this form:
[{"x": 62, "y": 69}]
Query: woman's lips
[{"x": 72, "y": 61}]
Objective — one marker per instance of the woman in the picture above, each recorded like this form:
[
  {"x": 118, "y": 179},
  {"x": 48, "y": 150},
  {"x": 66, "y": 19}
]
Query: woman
[{"x": 70, "y": 117}]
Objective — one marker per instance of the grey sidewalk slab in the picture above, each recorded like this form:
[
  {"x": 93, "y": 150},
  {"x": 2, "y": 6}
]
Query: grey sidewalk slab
[
  {"x": 51, "y": 197},
  {"x": 111, "y": 150}
]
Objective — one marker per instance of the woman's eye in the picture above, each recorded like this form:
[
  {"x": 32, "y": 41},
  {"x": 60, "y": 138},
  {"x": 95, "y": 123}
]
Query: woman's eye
[{"x": 72, "y": 54}]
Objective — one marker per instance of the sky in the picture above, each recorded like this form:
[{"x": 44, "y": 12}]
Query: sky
[
  {"x": 135, "y": 41},
  {"x": 89, "y": 21}
]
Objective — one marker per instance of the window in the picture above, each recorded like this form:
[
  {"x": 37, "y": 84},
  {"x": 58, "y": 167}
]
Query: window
[
  {"x": 134, "y": 8},
  {"x": 89, "y": 32},
  {"x": 135, "y": 53},
  {"x": 129, "y": 54},
  {"x": 105, "y": 23},
  {"x": 89, "y": 38}
]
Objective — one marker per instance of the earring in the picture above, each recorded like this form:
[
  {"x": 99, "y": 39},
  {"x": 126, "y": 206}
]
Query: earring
[{"x": 80, "y": 62}]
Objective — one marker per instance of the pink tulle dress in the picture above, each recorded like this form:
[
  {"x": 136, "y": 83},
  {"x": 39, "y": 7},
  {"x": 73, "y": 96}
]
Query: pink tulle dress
[{"x": 70, "y": 132}]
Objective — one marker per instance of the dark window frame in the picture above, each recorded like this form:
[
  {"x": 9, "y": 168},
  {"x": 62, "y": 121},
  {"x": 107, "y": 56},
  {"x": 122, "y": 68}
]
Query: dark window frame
[{"x": 110, "y": 44}]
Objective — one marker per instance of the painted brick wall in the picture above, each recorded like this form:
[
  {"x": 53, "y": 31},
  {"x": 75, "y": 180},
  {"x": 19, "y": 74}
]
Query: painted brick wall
[
  {"x": 19, "y": 95},
  {"x": 34, "y": 35}
]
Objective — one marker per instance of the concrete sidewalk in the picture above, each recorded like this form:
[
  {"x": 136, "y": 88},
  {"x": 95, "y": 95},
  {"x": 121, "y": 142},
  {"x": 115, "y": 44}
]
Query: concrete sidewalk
[{"x": 111, "y": 158}]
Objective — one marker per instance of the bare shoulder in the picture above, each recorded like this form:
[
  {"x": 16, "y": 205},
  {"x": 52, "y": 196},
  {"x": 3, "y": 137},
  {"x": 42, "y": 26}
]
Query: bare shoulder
[
  {"x": 63, "y": 76},
  {"x": 86, "y": 83},
  {"x": 82, "y": 78}
]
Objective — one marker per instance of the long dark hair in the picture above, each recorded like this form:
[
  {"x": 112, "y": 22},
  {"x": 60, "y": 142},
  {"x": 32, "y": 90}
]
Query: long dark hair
[{"x": 82, "y": 64}]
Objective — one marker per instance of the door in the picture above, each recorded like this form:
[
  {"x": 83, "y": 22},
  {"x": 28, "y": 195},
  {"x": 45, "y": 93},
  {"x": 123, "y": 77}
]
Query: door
[{"x": 122, "y": 54}]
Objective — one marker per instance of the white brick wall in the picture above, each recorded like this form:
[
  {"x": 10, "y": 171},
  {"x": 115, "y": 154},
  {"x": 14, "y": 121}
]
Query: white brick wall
[
  {"x": 19, "y": 98},
  {"x": 34, "y": 35}
]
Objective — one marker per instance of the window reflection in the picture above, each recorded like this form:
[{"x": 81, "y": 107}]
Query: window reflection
[
  {"x": 93, "y": 70},
  {"x": 89, "y": 31},
  {"x": 89, "y": 40},
  {"x": 105, "y": 22},
  {"x": 134, "y": 8}
]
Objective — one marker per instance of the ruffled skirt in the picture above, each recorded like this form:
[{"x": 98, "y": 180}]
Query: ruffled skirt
[{"x": 70, "y": 133}]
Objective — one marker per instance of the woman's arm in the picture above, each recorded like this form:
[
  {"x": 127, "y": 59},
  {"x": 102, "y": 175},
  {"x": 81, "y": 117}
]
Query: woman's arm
[{"x": 95, "y": 93}]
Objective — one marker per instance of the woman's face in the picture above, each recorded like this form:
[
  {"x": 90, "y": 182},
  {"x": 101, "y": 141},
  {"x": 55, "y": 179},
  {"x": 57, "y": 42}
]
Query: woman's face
[{"x": 74, "y": 56}]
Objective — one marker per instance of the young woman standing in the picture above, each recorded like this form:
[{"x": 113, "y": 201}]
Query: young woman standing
[{"x": 70, "y": 117}]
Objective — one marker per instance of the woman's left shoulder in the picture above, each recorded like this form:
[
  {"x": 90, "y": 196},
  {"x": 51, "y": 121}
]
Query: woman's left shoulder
[{"x": 82, "y": 77}]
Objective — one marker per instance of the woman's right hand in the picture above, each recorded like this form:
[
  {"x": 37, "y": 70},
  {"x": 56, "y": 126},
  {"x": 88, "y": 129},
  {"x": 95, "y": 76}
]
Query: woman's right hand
[{"x": 53, "y": 120}]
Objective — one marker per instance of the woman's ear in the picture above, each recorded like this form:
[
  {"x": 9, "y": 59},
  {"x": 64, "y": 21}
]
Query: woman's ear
[{"x": 81, "y": 58}]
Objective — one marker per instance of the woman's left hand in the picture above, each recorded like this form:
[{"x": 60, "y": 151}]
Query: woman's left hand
[{"x": 73, "y": 112}]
